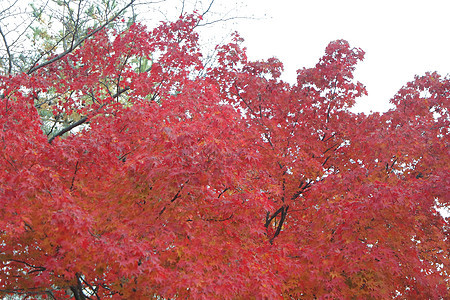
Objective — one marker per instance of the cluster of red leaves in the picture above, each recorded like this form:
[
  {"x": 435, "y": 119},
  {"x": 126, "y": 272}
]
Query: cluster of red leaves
[{"x": 232, "y": 184}]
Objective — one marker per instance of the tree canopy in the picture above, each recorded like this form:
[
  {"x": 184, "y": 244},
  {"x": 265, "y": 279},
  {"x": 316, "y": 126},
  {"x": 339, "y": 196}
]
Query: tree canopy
[{"x": 131, "y": 170}]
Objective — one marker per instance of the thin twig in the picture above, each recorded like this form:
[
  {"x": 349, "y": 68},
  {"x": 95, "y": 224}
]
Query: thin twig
[
  {"x": 34, "y": 68},
  {"x": 83, "y": 119},
  {"x": 7, "y": 51},
  {"x": 74, "y": 174}
]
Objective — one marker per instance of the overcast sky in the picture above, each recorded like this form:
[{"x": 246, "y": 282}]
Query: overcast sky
[{"x": 400, "y": 38}]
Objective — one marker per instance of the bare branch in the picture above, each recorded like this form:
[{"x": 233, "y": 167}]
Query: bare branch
[
  {"x": 31, "y": 291},
  {"x": 73, "y": 47},
  {"x": 76, "y": 24},
  {"x": 74, "y": 174},
  {"x": 35, "y": 268},
  {"x": 68, "y": 128},
  {"x": 7, "y": 51},
  {"x": 224, "y": 20},
  {"x": 280, "y": 225},
  {"x": 29, "y": 25},
  {"x": 209, "y": 7},
  {"x": 83, "y": 119},
  {"x": 9, "y": 7},
  {"x": 182, "y": 8},
  {"x": 219, "y": 220},
  {"x": 53, "y": 48}
]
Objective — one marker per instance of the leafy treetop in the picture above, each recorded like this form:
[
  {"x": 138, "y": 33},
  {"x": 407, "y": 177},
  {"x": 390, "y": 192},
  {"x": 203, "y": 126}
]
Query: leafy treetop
[{"x": 129, "y": 170}]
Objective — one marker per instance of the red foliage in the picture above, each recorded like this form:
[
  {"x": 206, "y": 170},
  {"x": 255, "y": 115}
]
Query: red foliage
[{"x": 219, "y": 183}]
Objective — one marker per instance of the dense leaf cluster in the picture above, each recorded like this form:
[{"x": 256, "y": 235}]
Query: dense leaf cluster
[{"x": 130, "y": 170}]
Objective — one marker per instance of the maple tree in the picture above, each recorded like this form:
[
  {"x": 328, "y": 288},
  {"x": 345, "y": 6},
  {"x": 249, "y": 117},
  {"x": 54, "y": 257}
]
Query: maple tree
[{"x": 154, "y": 176}]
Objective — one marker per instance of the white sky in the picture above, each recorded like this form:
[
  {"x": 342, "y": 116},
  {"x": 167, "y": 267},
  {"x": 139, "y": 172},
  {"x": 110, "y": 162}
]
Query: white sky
[{"x": 400, "y": 38}]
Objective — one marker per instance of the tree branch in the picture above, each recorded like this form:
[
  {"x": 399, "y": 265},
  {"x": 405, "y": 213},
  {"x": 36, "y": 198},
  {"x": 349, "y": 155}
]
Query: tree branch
[
  {"x": 74, "y": 174},
  {"x": 76, "y": 24},
  {"x": 7, "y": 51},
  {"x": 260, "y": 121},
  {"x": 280, "y": 225},
  {"x": 73, "y": 47},
  {"x": 36, "y": 268},
  {"x": 30, "y": 291},
  {"x": 221, "y": 193},
  {"x": 83, "y": 119},
  {"x": 77, "y": 289},
  {"x": 219, "y": 220},
  {"x": 209, "y": 7},
  {"x": 68, "y": 128},
  {"x": 269, "y": 219}
]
